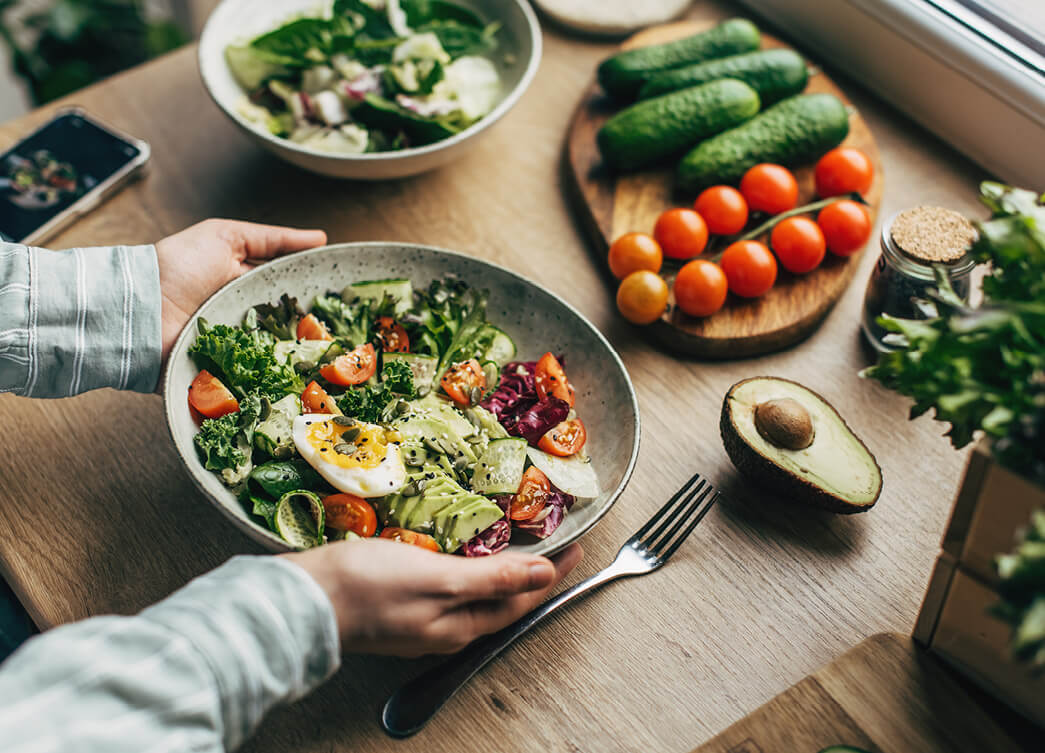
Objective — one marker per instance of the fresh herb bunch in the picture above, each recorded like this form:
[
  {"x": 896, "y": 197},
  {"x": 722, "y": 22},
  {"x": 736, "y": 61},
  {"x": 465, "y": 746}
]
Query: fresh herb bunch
[
  {"x": 983, "y": 369},
  {"x": 1022, "y": 587}
]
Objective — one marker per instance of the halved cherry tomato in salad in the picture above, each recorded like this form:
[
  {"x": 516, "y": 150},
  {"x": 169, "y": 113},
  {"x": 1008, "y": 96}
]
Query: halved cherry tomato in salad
[
  {"x": 565, "y": 439},
  {"x": 391, "y": 335},
  {"x": 534, "y": 490},
  {"x": 354, "y": 367},
  {"x": 316, "y": 400},
  {"x": 210, "y": 397},
  {"x": 461, "y": 380},
  {"x": 310, "y": 328},
  {"x": 551, "y": 380},
  {"x": 406, "y": 536},
  {"x": 347, "y": 512}
]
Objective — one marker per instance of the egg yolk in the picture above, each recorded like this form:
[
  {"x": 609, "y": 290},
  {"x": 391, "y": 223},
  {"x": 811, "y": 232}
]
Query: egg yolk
[{"x": 368, "y": 447}]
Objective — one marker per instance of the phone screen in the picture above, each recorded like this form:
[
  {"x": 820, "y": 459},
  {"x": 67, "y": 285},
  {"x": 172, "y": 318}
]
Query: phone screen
[{"x": 45, "y": 173}]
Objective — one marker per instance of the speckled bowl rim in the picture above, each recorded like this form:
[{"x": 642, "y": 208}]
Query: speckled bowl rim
[{"x": 548, "y": 546}]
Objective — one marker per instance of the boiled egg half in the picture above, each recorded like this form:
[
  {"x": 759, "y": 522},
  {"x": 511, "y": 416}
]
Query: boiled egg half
[{"x": 356, "y": 459}]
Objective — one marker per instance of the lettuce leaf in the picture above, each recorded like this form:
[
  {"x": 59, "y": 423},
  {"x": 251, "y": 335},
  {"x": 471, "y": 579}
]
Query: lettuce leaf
[{"x": 226, "y": 444}]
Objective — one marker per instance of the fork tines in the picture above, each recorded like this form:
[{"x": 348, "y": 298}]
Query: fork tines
[{"x": 689, "y": 504}]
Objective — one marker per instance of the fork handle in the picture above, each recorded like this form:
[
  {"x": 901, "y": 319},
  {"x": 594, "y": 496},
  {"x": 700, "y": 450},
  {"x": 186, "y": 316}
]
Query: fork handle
[{"x": 410, "y": 707}]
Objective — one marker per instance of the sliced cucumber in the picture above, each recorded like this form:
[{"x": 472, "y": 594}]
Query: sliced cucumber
[
  {"x": 501, "y": 349},
  {"x": 573, "y": 475},
  {"x": 423, "y": 366},
  {"x": 375, "y": 290},
  {"x": 298, "y": 351},
  {"x": 300, "y": 518},
  {"x": 274, "y": 435},
  {"x": 500, "y": 469}
]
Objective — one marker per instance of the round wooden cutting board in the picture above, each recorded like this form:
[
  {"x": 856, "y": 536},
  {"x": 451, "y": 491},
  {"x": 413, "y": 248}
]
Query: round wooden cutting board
[{"x": 611, "y": 205}]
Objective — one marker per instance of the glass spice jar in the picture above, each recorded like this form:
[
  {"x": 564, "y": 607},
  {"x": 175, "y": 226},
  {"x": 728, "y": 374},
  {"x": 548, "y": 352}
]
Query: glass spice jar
[{"x": 913, "y": 242}]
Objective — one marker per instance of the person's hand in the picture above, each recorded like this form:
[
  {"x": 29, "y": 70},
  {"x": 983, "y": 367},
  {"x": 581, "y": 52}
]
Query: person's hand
[
  {"x": 394, "y": 598},
  {"x": 200, "y": 259}
]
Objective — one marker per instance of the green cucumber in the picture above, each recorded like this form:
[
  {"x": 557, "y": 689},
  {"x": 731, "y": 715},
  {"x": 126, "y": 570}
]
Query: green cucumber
[
  {"x": 624, "y": 74},
  {"x": 774, "y": 74},
  {"x": 401, "y": 291},
  {"x": 795, "y": 131},
  {"x": 500, "y": 469},
  {"x": 384, "y": 114},
  {"x": 501, "y": 349},
  {"x": 655, "y": 129},
  {"x": 299, "y": 519},
  {"x": 423, "y": 366}
]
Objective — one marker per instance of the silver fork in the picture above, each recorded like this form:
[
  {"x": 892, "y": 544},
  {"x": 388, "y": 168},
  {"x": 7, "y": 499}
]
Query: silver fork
[{"x": 410, "y": 707}]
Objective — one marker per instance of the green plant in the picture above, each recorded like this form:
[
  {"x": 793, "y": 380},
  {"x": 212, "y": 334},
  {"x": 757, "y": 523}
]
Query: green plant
[
  {"x": 983, "y": 369},
  {"x": 67, "y": 44},
  {"x": 1022, "y": 588}
]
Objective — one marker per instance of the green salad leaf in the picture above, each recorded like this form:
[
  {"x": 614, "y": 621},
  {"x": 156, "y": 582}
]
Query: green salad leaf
[
  {"x": 226, "y": 443},
  {"x": 375, "y": 404},
  {"x": 244, "y": 361},
  {"x": 459, "y": 39},
  {"x": 281, "y": 319},
  {"x": 1022, "y": 588}
]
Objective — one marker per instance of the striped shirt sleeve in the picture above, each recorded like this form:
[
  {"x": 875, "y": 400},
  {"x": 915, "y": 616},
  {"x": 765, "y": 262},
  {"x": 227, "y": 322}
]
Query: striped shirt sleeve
[
  {"x": 195, "y": 672},
  {"x": 76, "y": 320}
]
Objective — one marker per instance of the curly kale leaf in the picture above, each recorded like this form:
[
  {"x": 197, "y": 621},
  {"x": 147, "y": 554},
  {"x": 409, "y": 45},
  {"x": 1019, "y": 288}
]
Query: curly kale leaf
[
  {"x": 226, "y": 444},
  {"x": 244, "y": 361},
  {"x": 375, "y": 404}
]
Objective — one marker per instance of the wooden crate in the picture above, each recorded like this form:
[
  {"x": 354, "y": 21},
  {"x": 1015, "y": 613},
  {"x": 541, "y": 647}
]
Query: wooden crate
[{"x": 954, "y": 622}]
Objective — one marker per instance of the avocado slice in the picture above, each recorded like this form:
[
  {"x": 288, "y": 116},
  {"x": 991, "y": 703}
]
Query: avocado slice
[
  {"x": 456, "y": 524},
  {"x": 789, "y": 439},
  {"x": 437, "y": 435}
]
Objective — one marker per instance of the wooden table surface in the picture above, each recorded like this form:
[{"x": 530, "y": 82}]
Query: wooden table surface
[{"x": 98, "y": 516}]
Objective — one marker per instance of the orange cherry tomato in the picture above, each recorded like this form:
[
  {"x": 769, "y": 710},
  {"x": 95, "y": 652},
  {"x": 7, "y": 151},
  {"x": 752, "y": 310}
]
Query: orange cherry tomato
[
  {"x": 532, "y": 496},
  {"x": 551, "y": 379},
  {"x": 316, "y": 400},
  {"x": 723, "y": 208},
  {"x": 347, "y": 512},
  {"x": 565, "y": 439},
  {"x": 632, "y": 252},
  {"x": 354, "y": 367},
  {"x": 799, "y": 244},
  {"x": 843, "y": 170},
  {"x": 700, "y": 288},
  {"x": 749, "y": 267},
  {"x": 391, "y": 335},
  {"x": 461, "y": 379},
  {"x": 846, "y": 226},
  {"x": 642, "y": 297},
  {"x": 310, "y": 328},
  {"x": 406, "y": 536},
  {"x": 209, "y": 397},
  {"x": 681, "y": 233},
  {"x": 769, "y": 188}
]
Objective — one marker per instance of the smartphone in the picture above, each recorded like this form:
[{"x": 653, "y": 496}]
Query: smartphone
[{"x": 61, "y": 171}]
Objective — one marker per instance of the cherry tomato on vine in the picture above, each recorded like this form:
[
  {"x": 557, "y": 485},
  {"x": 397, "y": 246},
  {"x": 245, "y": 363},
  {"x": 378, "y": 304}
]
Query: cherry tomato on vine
[
  {"x": 632, "y": 252},
  {"x": 799, "y": 244},
  {"x": 532, "y": 496},
  {"x": 723, "y": 208},
  {"x": 642, "y": 297},
  {"x": 749, "y": 267},
  {"x": 700, "y": 288},
  {"x": 843, "y": 170},
  {"x": 461, "y": 379},
  {"x": 347, "y": 512},
  {"x": 550, "y": 379},
  {"x": 391, "y": 335},
  {"x": 681, "y": 233},
  {"x": 406, "y": 536},
  {"x": 769, "y": 188},
  {"x": 846, "y": 226}
]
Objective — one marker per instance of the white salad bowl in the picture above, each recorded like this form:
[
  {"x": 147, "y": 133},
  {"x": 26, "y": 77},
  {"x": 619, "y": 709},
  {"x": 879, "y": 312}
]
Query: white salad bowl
[
  {"x": 535, "y": 318},
  {"x": 237, "y": 21}
]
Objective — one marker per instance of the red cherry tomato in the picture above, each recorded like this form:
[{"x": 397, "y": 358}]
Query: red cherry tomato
[
  {"x": 347, "y": 512},
  {"x": 700, "y": 288},
  {"x": 354, "y": 367},
  {"x": 460, "y": 379},
  {"x": 846, "y": 226},
  {"x": 632, "y": 252},
  {"x": 316, "y": 400},
  {"x": 799, "y": 244},
  {"x": 681, "y": 233},
  {"x": 551, "y": 380},
  {"x": 843, "y": 170},
  {"x": 406, "y": 536},
  {"x": 310, "y": 328},
  {"x": 532, "y": 496},
  {"x": 723, "y": 208},
  {"x": 565, "y": 439},
  {"x": 769, "y": 188},
  {"x": 209, "y": 397},
  {"x": 391, "y": 335},
  {"x": 749, "y": 267}
]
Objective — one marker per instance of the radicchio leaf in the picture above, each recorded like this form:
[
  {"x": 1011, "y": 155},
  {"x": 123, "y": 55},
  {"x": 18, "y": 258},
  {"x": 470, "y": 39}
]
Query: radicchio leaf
[{"x": 491, "y": 541}]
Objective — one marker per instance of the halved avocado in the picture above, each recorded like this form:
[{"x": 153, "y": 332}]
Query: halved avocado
[{"x": 789, "y": 439}]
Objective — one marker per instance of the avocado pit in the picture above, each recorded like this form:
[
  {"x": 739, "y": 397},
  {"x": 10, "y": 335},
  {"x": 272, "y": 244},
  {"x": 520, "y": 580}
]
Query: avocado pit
[{"x": 785, "y": 423}]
